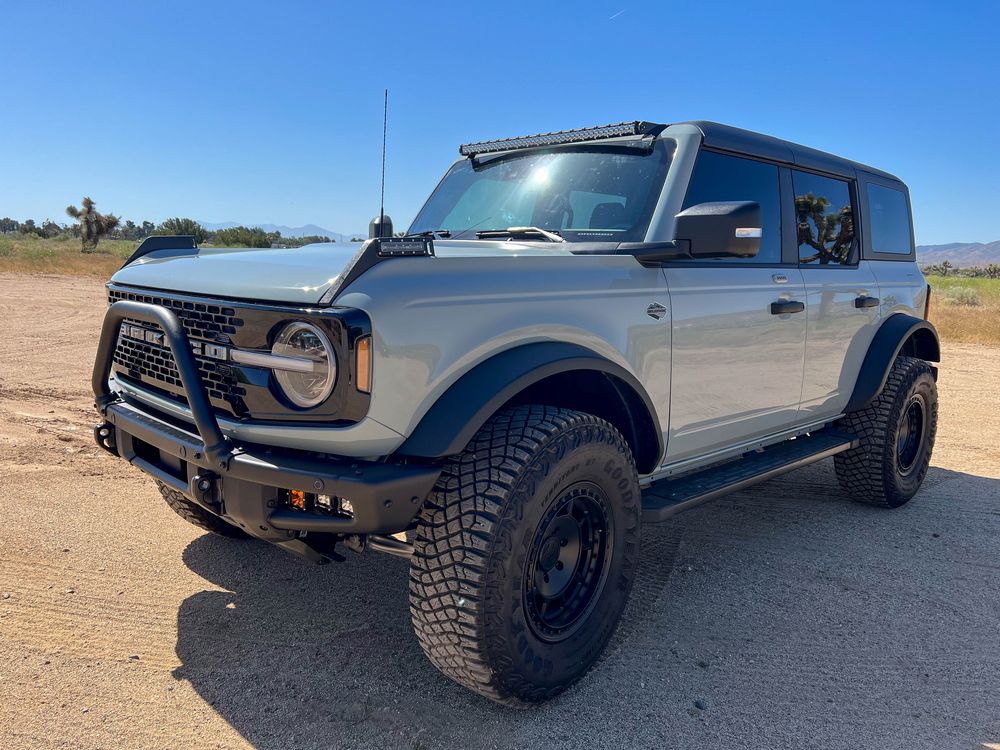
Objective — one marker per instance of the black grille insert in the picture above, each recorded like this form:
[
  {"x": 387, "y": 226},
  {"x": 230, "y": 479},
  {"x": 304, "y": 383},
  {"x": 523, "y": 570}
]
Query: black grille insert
[
  {"x": 152, "y": 364},
  {"x": 201, "y": 320}
]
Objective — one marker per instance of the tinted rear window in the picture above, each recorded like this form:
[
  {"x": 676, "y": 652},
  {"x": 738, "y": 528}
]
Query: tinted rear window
[
  {"x": 824, "y": 215},
  {"x": 890, "y": 220}
]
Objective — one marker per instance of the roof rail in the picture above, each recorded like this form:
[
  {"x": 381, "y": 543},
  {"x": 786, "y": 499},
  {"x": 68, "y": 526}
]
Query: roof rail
[{"x": 578, "y": 135}]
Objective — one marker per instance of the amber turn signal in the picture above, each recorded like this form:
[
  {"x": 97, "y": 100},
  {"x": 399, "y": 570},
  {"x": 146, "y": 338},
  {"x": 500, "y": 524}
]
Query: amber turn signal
[{"x": 363, "y": 368}]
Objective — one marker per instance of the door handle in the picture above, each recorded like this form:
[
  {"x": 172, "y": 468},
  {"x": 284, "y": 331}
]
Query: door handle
[
  {"x": 785, "y": 306},
  {"x": 865, "y": 301}
]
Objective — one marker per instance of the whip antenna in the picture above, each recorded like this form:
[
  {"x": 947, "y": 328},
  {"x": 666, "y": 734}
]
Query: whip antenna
[{"x": 381, "y": 200}]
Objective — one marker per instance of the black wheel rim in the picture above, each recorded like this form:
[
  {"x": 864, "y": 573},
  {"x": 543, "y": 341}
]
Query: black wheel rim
[
  {"x": 910, "y": 435},
  {"x": 568, "y": 562}
]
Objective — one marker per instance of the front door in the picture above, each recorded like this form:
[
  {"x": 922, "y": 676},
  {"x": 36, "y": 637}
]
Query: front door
[
  {"x": 738, "y": 325},
  {"x": 736, "y": 365}
]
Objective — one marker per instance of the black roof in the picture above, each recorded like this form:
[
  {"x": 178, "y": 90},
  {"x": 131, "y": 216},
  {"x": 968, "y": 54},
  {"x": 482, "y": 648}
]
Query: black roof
[{"x": 728, "y": 138}]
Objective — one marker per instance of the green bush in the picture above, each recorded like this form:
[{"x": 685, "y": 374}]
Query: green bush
[{"x": 961, "y": 295}]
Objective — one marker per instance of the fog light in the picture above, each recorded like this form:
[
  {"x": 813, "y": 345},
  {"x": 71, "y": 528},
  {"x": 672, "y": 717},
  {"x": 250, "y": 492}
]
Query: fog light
[
  {"x": 297, "y": 499},
  {"x": 326, "y": 503}
]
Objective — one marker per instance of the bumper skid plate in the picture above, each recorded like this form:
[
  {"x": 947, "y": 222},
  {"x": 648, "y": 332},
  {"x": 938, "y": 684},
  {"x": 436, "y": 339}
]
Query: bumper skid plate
[{"x": 244, "y": 484}]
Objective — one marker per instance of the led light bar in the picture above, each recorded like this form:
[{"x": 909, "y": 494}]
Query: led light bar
[
  {"x": 578, "y": 135},
  {"x": 394, "y": 247}
]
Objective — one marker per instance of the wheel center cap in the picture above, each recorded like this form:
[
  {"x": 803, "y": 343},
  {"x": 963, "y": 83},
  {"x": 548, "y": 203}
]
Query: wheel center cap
[{"x": 549, "y": 555}]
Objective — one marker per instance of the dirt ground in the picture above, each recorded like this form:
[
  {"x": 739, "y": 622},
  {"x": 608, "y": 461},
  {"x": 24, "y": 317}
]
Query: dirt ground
[{"x": 793, "y": 617}]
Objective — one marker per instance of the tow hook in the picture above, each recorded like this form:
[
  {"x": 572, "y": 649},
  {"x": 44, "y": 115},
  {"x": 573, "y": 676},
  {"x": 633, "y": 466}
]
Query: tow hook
[
  {"x": 205, "y": 489},
  {"x": 104, "y": 435}
]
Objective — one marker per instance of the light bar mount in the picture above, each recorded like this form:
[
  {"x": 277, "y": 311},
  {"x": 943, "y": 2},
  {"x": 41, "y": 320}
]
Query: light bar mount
[{"x": 579, "y": 135}]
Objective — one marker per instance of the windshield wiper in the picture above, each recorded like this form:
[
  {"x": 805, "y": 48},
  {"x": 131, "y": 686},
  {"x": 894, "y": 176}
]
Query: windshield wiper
[
  {"x": 444, "y": 233},
  {"x": 519, "y": 232}
]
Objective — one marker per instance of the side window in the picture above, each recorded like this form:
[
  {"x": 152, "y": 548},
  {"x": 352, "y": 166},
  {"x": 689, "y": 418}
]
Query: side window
[
  {"x": 825, "y": 218},
  {"x": 719, "y": 177},
  {"x": 889, "y": 219}
]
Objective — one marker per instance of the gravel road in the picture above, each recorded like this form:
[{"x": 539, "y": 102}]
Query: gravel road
[{"x": 781, "y": 617}]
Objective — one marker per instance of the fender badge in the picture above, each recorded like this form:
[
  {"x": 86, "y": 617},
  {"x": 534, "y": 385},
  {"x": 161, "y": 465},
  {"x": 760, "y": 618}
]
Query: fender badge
[{"x": 656, "y": 310}]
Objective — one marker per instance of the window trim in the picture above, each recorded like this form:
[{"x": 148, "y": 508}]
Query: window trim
[{"x": 867, "y": 249}]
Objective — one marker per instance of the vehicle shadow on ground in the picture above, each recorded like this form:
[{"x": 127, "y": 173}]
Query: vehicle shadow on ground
[{"x": 298, "y": 655}]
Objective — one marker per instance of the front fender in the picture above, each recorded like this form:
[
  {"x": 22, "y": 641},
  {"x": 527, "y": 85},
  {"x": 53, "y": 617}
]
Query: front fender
[{"x": 458, "y": 414}]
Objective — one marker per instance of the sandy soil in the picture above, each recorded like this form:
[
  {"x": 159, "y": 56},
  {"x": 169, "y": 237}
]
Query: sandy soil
[{"x": 794, "y": 617}]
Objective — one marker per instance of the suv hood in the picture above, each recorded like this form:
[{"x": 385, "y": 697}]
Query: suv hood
[{"x": 299, "y": 275}]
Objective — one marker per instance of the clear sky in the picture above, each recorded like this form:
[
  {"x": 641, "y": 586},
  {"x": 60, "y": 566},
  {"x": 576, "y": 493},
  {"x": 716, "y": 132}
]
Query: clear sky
[{"x": 270, "y": 112}]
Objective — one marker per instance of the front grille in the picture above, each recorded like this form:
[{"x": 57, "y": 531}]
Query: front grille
[
  {"x": 201, "y": 320},
  {"x": 153, "y": 365}
]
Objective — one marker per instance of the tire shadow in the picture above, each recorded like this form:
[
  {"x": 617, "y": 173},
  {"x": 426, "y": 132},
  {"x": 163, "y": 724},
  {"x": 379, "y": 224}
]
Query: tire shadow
[{"x": 294, "y": 655}]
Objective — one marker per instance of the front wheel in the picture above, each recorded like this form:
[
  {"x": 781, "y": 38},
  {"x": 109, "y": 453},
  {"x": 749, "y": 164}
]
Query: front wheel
[
  {"x": 525, "y": 553},
  {"x": 896, "y": 433},
  {"x": 198, "y": 516}
]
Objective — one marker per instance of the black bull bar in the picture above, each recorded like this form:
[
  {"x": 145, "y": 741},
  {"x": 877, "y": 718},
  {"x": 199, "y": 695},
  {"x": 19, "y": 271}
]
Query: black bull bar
[{"x": 241, "y": 482}]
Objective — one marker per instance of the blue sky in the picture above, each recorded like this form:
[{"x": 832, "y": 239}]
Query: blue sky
[{"x": 271, "y": 111}]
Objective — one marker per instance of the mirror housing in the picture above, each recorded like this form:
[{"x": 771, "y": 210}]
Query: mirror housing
[{"x": 723, "y": 229}]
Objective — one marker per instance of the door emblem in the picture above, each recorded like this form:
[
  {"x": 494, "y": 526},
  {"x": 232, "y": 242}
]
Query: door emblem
[{"x": 656, "y": 310}]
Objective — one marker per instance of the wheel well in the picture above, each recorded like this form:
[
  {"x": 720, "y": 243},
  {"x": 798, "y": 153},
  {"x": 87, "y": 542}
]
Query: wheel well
[
  {"x": 922, "y": 344},
  {"x": 604, "y": 396}
]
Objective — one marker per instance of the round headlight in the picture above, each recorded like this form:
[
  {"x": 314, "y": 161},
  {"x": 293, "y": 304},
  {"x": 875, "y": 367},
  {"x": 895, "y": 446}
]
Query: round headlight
[{"x": 307, "y": 343}]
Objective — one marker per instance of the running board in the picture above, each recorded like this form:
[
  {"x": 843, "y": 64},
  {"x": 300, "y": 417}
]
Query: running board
[{"x": 671, "y": 496}]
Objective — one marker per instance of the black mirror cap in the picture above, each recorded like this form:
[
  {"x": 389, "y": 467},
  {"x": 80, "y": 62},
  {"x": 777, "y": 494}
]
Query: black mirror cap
[{"x": 721, "y": 229}]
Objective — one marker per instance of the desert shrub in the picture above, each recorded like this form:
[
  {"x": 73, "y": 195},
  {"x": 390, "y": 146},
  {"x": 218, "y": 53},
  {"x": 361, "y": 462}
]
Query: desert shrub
[{"x": 961, "y": 295}]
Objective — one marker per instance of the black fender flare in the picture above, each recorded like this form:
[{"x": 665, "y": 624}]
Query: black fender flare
[
  {"x": 459, "y": 412},
  {"x": 899, "y": 334}
]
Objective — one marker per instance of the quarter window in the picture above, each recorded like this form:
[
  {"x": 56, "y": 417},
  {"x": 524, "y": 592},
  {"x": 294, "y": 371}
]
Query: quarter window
[
  {"x": 719, "y": 177},
  {"x": 824, "y": 216},
  {"x": 890, "y": 220}
]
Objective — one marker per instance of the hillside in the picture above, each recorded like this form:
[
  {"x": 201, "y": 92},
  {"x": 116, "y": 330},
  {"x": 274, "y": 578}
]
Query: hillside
[
  {"x": 960, "y": 254},
  {"x": 308, "y": 230}
]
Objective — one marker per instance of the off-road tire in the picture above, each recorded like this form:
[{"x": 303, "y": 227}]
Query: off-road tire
[
  {"x": 872, "y": 472},
  {"x": 471, "y": 572},
  {"x": 195, "y": 514}
]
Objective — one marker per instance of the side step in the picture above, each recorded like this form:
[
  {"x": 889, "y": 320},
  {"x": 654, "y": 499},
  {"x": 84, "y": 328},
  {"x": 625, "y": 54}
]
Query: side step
[{"x": 671, "y": 496}]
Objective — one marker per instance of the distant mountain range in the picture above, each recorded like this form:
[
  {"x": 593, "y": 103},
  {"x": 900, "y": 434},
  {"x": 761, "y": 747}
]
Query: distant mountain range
[
  {"x": 960, "y": 254},
  {"x": 308, "y": 230}
]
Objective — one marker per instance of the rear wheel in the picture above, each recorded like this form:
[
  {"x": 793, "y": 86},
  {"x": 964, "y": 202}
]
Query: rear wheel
[
  {"x": 525, "y": 553},
  {"x": 897, "y": 437},
  {"x": 195, "y": 514}
]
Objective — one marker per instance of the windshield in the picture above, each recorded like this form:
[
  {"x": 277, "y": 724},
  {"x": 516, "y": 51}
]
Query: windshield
[{"x": 585, "y": 193}]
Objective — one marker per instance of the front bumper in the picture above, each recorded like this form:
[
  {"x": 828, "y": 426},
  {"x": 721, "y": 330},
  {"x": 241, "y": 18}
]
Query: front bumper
[{"x": 244, "y": 484}]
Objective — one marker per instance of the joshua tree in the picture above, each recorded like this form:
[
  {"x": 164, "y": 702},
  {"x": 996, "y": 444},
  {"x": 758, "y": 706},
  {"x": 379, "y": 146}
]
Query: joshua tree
[
  {"x": 93, "y": 225},
  {"x": 993, "y": 271},
  {"x": 834, "y": 231},
  {"x": 945, "y": 267}
]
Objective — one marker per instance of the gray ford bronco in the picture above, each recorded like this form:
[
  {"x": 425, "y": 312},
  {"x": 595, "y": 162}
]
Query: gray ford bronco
[{"x": 581, "y": 332}]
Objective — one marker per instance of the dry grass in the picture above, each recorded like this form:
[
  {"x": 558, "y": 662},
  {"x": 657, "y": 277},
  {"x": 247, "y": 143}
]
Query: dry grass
[
  {"x": 29, "y": 254},
  {"x": 966, "y": 310}
]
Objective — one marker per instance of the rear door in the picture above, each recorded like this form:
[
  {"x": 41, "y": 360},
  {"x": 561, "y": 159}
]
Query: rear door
[
  {"x": 737, "y": 362},
  {"x": 842, "y": 294}
]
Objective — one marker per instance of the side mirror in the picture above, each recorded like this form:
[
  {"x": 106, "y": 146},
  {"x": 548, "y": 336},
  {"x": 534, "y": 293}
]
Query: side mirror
[{"x": 724, "y": 229}]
